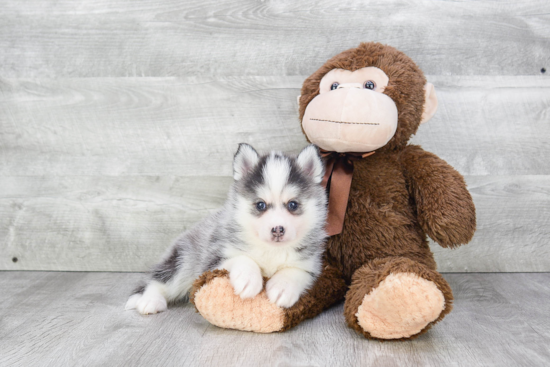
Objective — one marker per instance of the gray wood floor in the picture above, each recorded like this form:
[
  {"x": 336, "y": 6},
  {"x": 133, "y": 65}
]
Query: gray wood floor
[{"x": 70, "y": 319}]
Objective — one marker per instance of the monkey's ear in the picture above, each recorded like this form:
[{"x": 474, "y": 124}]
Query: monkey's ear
[
  {"x": 245, "y": 160},
  {"x": 298, "y": 99},
  {"x": 430, "y": 102}
]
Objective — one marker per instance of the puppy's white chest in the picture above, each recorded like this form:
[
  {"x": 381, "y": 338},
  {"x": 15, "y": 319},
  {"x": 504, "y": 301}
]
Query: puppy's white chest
[{"x": 272, "y": 260}]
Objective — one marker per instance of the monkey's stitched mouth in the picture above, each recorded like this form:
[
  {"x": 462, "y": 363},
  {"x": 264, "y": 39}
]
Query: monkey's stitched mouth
[{"x": 348, "y": 123}]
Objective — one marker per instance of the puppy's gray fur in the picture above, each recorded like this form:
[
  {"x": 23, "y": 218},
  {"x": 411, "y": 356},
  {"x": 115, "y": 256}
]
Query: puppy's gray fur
[{"x": 284, "y": 241}]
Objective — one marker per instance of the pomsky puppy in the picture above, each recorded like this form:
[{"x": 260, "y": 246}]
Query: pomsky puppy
[{"x": 272, "y": 225}]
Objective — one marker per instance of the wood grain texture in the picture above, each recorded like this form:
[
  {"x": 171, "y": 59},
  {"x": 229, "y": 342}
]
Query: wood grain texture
[
  {"x": 102, "y": 174},
  {"x": 67, "y": 319},
  {"x": 99, "y": 223},
  {"x": 490, "y": 125},
  {"x": 191, "y": 126},
  {"x": 143, "y": 126},
  {"x": 513, "y": 227},
  {"x": 219, "y": 38},
  {"x": 126, "y": 223},
  {"x": 119, "y": 119}
]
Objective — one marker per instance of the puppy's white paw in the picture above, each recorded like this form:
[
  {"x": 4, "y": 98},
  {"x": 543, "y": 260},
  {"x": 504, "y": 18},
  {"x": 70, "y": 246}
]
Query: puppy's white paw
[
  {"x": 247, "y": 281},
  {"x": 283, "y": 291},
  {"x": 151, "y": 304},
  {"x": 132, "y": 301}
]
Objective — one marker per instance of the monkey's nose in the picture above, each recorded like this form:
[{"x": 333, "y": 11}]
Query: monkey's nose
[{"x": 278, "y": 231}]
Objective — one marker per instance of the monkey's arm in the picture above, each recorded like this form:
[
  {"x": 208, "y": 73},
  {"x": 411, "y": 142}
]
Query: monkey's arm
[{"x": 444, "y": 206}]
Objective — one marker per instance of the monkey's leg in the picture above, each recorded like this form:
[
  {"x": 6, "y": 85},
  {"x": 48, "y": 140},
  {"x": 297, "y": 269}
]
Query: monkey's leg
[
  {"x": 396, "y": 298},
  {"x": 216, "y": 301}
]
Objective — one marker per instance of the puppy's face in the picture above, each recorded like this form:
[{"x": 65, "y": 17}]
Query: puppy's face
[{"x": 278, "y": 201}]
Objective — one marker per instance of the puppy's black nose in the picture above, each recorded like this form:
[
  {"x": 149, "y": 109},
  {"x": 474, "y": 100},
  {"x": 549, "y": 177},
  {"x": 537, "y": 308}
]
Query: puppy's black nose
[{"x": 278, "y": 231}]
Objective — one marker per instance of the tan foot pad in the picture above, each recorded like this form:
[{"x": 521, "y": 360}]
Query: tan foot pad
[
  {"x": 401, "y": 306},
  {"x": 217, "y": 303}
]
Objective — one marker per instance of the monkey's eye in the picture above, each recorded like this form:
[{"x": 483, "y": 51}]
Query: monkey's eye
[
  {"x": 292, "y": 206},
  {"x": 261, "y": 206},
  {"x": 369, "y": 85},
  {"x": 334, "y": 86}
]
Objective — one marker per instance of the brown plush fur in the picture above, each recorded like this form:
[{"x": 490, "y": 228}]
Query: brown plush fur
[
  {"x": 405, "y": 88},
  {"x": 397, "y": 196},
  {"x": 329, "y": 287},
  {"x": 371, "y": 274},
  {"x": 204, "y": 279}
]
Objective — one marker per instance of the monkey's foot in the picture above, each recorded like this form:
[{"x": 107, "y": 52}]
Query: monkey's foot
[
  {"x": 215, "y": 299},
  {"x": 401, "y": 306}
]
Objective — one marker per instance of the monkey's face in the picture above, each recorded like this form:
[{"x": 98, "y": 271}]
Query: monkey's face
[{"x": 351, "y": 113}]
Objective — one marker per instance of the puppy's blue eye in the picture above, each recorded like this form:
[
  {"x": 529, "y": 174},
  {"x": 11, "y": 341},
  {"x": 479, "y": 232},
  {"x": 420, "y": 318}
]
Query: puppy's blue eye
[
  {"x": 292, "y": 206},
  {"x": 334, "y": 86},
  {"x": 261, "y": 206},
  {"x": 369, "y": 85}
]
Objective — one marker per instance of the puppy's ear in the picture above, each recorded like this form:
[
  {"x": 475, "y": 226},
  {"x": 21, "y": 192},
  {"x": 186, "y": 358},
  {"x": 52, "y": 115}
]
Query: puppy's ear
[
  {"x": 311, "y": 163},
  {"x": 245, "y": 160}
]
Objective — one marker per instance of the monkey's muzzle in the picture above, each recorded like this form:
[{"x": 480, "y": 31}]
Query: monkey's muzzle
[{"x": 350, "y": 120}]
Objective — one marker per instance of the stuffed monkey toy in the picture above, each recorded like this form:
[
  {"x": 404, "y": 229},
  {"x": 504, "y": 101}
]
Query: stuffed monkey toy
[{"x": 368, "y": 99}]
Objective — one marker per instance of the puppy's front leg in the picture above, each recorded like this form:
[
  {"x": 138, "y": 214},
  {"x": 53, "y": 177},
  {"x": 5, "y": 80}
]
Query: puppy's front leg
[
  {"x": 287, "y": 285},
  {"x": 245, "y": 276},
  {"x": 151, "y": 301}
]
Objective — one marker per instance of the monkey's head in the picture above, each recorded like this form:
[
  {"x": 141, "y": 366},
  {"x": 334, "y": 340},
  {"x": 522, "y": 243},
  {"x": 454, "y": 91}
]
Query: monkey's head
[{"x": 366, "y": 98}]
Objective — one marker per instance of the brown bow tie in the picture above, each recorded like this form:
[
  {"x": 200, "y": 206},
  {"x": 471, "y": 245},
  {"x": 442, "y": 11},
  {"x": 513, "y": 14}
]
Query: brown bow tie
[{"x": 337, "y": 182}]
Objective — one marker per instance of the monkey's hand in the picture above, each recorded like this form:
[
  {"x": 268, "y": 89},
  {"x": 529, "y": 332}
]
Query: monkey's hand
[{"x": 444, "y": 206}]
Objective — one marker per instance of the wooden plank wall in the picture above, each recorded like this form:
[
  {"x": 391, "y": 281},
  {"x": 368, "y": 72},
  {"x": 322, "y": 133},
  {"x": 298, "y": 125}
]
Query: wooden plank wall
[{"x": 119, "y": 118}]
